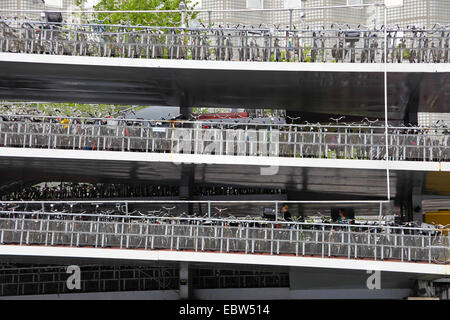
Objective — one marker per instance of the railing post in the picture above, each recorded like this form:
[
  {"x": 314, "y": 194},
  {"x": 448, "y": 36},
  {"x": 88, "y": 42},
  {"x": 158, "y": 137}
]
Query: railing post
[
  {"x": 320, "y": 142},
  {"x": 196, "y": 238},
  {"x": 246, "y": 240},
  {"x": 295, "y": 141},
  {"x": 290, "y": 19},
  {"x": 146, "y": 237},
  {"x": 323, "y": 241},
  {"x": 209, "y": 210},
  {"x": 303, "y": 246},
  {"x": 375, "y": 245},
  {"x": 402, "y": 244},
  {"x": 46, "y": 236},
  {"x": 276, "y": 210},
  {"x": 429, "y": 249},
  {"x": 345, "y": 142},
  {"x": 409, "y": 254},
  {"x": 349, "y": 241},
  {"x": 271, "y": 241},
  {"x": 380, "y": 213},
  {"x": 121, "y": 234},
  {"x": 329, "y": 248},
  {"x": 171, "y": 238},
  {"x": 221, "y": 238}
]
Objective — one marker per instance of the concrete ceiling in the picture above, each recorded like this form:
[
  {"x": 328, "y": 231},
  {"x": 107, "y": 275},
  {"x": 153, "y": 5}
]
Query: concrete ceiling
[{"x": 339, "y": 89}]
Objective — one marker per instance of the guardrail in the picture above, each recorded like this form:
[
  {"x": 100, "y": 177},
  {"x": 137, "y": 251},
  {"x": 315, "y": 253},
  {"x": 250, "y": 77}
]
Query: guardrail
[
  {"x": 296, "y": 141},
  {"x": 339, "y": 44},
  {"x": 53, "y": 279},
  {"x": 50, "y": 279},
  {"x": 223, "y": 235}
]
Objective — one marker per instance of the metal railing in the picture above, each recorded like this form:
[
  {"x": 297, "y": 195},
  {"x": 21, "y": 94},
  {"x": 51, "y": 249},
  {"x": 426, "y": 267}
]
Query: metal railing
[
  {"x": 251, "y": 210},
  {"x": 331, "y": 44},
  {"x": 53, "y": 279},
  {"x": 226, "y": 235},
  {"x": 296, "y": 141},
  {"x": 39, "y": 280}
]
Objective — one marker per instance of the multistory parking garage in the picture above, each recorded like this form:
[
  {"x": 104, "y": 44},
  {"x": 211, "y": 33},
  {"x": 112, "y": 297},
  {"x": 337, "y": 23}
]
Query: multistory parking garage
[{"x": 338, "y": 186}]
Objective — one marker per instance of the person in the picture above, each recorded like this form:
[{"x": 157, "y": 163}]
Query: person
[
  {"x": 286, "y": 213},
  {"x": 342, "y": 218}
]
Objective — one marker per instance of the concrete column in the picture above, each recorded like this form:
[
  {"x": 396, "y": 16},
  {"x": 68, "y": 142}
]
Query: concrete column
[
  {"x": 186, "y": 186},
  {"x": 185, "y": 105},
  {"x": 416, "y": 196},
  {"x": 185, "y": 281},
  {"x": 187, "y": 170},
  {"x": 417, "y": 212}
]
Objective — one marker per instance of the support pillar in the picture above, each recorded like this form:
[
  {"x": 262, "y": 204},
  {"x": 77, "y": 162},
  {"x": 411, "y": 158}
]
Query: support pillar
[
  {"x": 187, "y": 187},
  {"x": 185, "y": 281},
  {"x": 416, "y": 196},
  {"x": 185, "y": 106}
]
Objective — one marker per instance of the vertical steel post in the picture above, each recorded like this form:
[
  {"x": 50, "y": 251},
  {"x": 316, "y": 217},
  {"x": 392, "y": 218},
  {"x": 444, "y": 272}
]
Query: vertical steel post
[
  {"x": 386, "y": 106},
  {"x": 276, "y": 210},
  {"x": 290, "y": 20}
]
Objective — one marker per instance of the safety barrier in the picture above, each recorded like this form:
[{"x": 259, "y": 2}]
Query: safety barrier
[
  {"x": 336, "y": 44},
  {"x": 222, "y": 235},
  {"x": 296, "y": 141}
]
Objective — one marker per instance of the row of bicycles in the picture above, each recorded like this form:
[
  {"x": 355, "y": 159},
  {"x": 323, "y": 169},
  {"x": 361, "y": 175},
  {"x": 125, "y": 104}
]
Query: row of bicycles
[
  {"x": 364, "y": 140},
  {"x": 10, "y": 115},
  {"x": 176, "y": 213},
  {"x": 60, "y": 191},
  {"x": 160, "y": 227},
  {"x": 334, "y": 43}
]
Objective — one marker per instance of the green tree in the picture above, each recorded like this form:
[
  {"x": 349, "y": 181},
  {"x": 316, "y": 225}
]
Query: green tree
[
  {"x": 67, "y": 109},
  {"x": 146, "y": 19}
]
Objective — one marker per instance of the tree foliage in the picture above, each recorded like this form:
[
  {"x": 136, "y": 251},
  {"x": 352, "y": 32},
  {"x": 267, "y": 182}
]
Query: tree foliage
[
  {"x": 67, "y": 109},
  {"x": 145, "y": 19}
]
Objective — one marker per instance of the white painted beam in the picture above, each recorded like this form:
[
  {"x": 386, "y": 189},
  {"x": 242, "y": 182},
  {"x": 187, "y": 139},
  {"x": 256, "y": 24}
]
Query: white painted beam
[
  {"x": 225, "y": 65},
  {"x": 223, "y": 159},
  {"x": 227, "y": 258}
]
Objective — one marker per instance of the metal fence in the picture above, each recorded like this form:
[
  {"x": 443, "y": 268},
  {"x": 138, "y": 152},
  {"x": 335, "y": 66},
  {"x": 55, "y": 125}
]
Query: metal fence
[
  {"x": 53, "y": 279},
  {"x": 335, "y": 44},
  {"x": 297, "y": 141},
  {"x": 222, "y": 235},
  {"x": 50, "y": 279}
]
